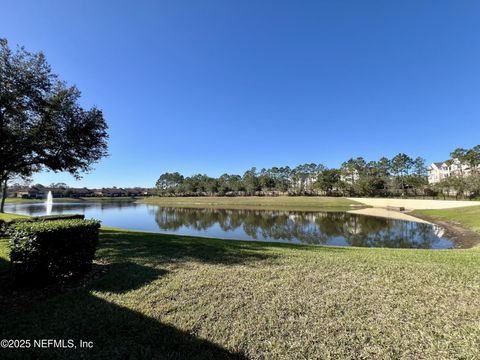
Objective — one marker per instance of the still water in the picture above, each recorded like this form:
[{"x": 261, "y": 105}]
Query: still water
[{"x": 322, "y": 228}]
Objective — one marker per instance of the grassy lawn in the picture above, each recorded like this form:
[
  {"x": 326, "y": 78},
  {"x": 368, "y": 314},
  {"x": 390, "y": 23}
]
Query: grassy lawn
[
  {"x": 292, "y": 203},
  {"x": 467, "y": 216},
  {"x": 174, "y": 297},
  {"x": 10, "y": 217}
]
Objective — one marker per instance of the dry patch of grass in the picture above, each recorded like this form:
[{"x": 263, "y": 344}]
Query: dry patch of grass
[{"x": 170, "y": 296}]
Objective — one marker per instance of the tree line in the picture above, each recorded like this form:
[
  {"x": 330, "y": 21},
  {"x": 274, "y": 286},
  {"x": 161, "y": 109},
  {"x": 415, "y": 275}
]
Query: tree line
[
  {"x": 401, "y": 175},
  {"x": 356, "y": 176}
]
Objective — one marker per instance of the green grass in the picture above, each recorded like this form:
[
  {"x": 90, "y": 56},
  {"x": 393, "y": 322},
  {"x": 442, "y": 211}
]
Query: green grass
[
  {"x": 9, "y": 217},
  {"x": 175, "y": 297},
  {"x": 466, "y": 216},
  {"x": 292, "y": 203}
]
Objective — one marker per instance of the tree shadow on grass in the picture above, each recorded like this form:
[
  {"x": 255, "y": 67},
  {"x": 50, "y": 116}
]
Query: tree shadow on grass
[
  {"x": 117, "y": 332},
  {"x": 4, "y": 266},
  {"x": 126, "y": 276}
]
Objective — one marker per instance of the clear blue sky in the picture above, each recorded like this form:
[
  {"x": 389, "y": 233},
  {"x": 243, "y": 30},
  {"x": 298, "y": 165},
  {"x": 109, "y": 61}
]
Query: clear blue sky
[{"x": 220, "y": 86}]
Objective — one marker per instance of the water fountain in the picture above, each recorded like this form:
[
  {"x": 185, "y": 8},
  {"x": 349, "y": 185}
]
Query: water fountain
[{"x": 49, "y": 203}]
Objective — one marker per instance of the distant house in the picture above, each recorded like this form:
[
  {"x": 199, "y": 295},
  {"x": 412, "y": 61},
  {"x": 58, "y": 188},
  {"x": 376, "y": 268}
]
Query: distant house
[
  {"x": 111, "y": 192},
  {"x": 56, "y": 192},
  {"x": 30, "y": 193},
  {"x": 305, "y": 181},
  {"x": 40, "y": 192},
  {"x": 16, "y": 191},
  {"x": 444, "y": 169},
  {"x": 79, "y": 192},
  {"x": 351, "y": 178}
]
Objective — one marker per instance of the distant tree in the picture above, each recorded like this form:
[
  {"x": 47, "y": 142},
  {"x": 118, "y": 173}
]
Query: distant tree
[
  {"x": 459, "y": 155},
  {"x": 283, "y": 178},
  {"x": 367, "y": 185},
  {"x": 250, "y": 181},
  {"x": 304, "y": 176},
  {"x": 266, "y": 180},
  {"x": 58, "y": 185},
  {"x": 328, "y": 180},
  {"x": 420, "y": 167},
  {"x": 418, "y": 178},
  {"x": 235, "y": 183},
  {"x": 42, "y": 126},
  {"x": 199, "y": 184},
  {"x": 224, "y": 184},
  {"x": 168, "y": 183},
  {"x": 383, "y": 167},
  {"x": 210, "y": 185},
  {"x": 352, "y": 169},
  {"x": 401, "y": 165},
  {"x": 473, "y": 185},
  {"x": 472, "y": 158}
]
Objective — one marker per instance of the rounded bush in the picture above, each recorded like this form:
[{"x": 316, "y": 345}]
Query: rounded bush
[{"x": 52, "y": 249}]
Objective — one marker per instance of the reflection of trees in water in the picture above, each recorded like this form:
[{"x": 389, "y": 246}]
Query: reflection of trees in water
[
  {"x": 368, "y": 231},
  {"x": 311, "y": 228},
  {"x": 306, "y": 227}
]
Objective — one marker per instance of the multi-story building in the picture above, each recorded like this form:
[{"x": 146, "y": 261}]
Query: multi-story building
[{"x": 441, "y": 170}]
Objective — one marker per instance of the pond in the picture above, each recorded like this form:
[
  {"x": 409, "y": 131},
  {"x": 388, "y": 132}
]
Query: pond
[{"x": 322, "y": 228}]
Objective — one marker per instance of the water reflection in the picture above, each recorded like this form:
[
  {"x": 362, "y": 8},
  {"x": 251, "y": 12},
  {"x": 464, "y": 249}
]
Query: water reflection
[
  {"x": 308, "y": 228},
  {"x": 328, "y": 228}
]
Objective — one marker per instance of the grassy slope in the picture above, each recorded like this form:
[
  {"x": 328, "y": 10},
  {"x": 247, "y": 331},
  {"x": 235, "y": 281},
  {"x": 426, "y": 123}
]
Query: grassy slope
[
  {"x": 164, "y": 293},
  {"x": 467, "y": 216},
  {"x": 293, "y": 203}
]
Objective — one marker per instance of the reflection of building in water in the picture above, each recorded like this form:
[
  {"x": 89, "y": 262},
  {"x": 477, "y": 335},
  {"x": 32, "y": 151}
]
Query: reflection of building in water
[
  {"x": 353, "y": 227},
  {"x": 303, "y": 217},
  {"x": 438, "y": 230}
]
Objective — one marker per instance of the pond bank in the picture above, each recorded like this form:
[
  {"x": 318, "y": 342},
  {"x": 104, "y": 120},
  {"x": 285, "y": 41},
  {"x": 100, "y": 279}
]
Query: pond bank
[
  {"x": 462, "y": 235},
  {"x": 415, "y": 204}
]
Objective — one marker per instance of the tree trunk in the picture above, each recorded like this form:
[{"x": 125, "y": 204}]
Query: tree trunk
[{"x": 4, "y": 195}]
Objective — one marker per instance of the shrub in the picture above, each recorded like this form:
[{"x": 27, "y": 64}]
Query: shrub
[
  {"x": 60, "y": 217},
  {"x": 4, "y": 224},
  {"x": 48, "y": 250}
]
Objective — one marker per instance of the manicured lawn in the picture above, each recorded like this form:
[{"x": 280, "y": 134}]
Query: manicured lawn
[
  {"x": 293, "y": 203},
  {"x": 10, "y": 217},
  {"x": 467, "y": 216},
  {"x": 174, "y": 297}
]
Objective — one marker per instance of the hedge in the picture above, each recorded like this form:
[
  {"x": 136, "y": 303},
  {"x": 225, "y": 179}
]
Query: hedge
[
  {"x": 4, "y": 224},
  {"x": 59, "y": 217},
  {"x": 49, "y": 250}
]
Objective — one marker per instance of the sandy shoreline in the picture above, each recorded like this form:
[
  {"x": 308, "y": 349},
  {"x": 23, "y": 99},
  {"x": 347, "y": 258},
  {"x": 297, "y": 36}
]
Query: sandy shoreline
[
  {"x": 415, "y": 204},
  {"x": 389, "y": 214},
  {"x": 463, "y": 237}
]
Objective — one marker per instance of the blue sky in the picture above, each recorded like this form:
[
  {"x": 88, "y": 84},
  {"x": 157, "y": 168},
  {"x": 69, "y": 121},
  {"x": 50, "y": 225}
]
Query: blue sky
[{"x": 220, "y": 86}]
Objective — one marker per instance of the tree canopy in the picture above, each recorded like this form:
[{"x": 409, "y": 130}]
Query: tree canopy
[{"x": 42, "y": 125}]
